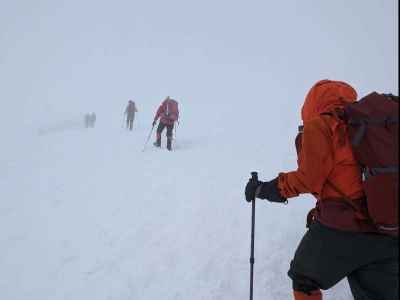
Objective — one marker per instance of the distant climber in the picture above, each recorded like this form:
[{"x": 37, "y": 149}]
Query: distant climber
[
  {"x": 86, "y": 120},
  {"x": 92, "y": 119},
  {"x": 168, "y": 113},
  {"x": 130, "y": 114}
]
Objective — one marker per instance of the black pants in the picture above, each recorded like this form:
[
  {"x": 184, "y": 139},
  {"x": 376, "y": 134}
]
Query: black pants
[
  {"x": 129, "y": 123},
  {"x": 369, "y": 261},
  {"x": 160, "y": 129}
]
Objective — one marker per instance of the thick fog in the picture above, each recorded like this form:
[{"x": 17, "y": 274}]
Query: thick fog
[
  {"x": 85, "y": 213},
  {"x": 60, "y": 59}
]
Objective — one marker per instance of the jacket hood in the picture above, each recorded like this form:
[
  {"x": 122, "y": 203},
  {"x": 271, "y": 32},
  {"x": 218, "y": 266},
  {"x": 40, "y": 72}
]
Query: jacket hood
[{"x": 325, "y": 96}]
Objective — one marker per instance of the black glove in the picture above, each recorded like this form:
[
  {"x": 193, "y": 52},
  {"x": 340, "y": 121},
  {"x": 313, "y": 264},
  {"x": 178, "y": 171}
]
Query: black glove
[
  {"x": 154, "y": 123},
  {"x": 269, "y": 191},
  {"x": 251, "y": 188}
]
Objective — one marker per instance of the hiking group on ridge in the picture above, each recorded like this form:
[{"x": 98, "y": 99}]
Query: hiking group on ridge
[
  {"x": 167, "y": 114},
  {"x": 347, "y": 158}
]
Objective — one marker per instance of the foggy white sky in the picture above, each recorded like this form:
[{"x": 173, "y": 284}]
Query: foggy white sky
[{"x": 63, "y": 58}]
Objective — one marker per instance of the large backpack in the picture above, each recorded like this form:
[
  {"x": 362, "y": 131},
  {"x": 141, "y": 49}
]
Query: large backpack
[
  {"x": 171, "y": 111},
  {"x": 373, "y": 124}
]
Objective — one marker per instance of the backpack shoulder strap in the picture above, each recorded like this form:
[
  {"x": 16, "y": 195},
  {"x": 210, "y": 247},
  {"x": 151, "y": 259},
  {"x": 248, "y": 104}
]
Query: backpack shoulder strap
[{"x": 337, "y": 116}]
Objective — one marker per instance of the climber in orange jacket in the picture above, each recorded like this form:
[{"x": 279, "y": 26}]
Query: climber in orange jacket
[{"x": 341, "y": 241}]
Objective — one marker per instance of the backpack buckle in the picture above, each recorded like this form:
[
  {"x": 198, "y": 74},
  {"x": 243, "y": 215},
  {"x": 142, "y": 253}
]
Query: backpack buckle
[{"x": 366, "y": 173}]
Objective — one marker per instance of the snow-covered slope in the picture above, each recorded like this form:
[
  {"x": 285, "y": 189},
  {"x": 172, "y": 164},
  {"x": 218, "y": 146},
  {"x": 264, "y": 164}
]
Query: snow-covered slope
[{"x": 92, "y": 216}]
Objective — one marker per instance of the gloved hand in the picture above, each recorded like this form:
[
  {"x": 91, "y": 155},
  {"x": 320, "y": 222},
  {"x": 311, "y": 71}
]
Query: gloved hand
[
  {"x": 250, "y": 190},
  {"x": 154, "y": 123},
  {"x": 269, "y": 191}
]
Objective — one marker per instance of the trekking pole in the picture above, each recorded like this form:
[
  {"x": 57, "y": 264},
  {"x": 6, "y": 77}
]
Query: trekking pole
[
  {"x": 254, "y": 177},
  {"x": 123, "y": 120},
  {"x": 175, "y": 128},
  {"x": 148, "y": 138}
]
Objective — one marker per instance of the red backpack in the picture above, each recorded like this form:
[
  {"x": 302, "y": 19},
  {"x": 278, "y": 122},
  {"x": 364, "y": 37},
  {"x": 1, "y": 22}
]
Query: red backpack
[
  {"x": 171, "y": 110},
  {"x": 373, "y": 124}
]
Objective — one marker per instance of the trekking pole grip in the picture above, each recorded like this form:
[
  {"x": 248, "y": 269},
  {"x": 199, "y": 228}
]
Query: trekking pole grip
[{"x": 254, "y": 176}]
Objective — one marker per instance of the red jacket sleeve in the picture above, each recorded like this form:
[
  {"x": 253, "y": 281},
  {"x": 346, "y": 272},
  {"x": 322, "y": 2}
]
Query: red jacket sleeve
[{"x": 160, "y": 110}]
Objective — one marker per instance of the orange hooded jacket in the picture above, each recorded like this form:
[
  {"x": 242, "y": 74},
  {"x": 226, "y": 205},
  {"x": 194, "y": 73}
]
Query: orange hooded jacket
[{"x": 326, "y": 165}]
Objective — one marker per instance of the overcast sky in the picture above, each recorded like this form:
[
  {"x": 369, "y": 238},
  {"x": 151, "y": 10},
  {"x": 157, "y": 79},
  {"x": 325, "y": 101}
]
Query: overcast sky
[{"x": 59, "y": 59}]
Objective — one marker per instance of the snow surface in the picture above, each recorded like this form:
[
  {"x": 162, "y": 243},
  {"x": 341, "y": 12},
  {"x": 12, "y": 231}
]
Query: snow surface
[
  {"x": 87, "y": 214},
  {"x": 94, "y": 217}
]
